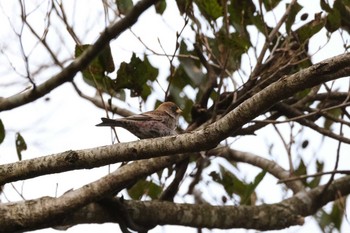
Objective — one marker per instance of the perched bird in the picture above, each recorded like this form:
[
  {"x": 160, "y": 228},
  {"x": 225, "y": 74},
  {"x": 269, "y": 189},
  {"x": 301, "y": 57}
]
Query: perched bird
[{"x": 158, "y": 123}]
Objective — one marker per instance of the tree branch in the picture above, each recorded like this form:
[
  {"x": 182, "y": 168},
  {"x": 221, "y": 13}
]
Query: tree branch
[
  {"x": 293, "y": 112},
  {"x": 200, "y": 140},
  {"x": 263, "y": 217},
  {"x": 46, "y": 211}
]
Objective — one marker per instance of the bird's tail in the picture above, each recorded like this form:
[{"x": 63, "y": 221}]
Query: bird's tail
[{"x": 108, "y": 122}]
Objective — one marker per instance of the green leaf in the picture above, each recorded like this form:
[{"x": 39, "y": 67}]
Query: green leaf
[
  {"x": 124, "y": 6},
  {"x": 325, "y": 6},
  {"x": 144, "y": 187},
  {"x": 338, "y": 212},
  {"x": 315, "y": 182},
  {"x": 241, "y": 15},
  {"x": 95, "y": 73},
  {"x": 257, "y": 20},
  {"x": 328, "y": 222},
  {"x": 324, "y": 221},
  {"x": 135, "y": 75},
  {"x": 338, "y": 16},
  {"x": 250, "y": 190},
  {"x": 308, "y": 30},
  {"x": 270, "y": 4},
  {"x": 20, "y": 145},
  {"x": 301, "y": 170},
  {"x": 301, "y": 94},
  {"x": 210, "y": 9},
  {"x": 291, "y": 17},
  {"x": 2, "y": 132},
  {"x": 344, "y": 8},
  {"x": 333, "y": 22},
  {"x": 234, "y": 46},
  {"x": 160, "y": 6},
  {"x": 181, "y": 78},
  {"x": 336, "y": 113},
  {"x": 102, "y": 63},
  {"x": 229, "y": 181}
]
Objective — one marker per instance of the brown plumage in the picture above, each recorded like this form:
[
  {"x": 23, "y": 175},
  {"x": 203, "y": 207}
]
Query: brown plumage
[{"x": 158, "y": 123}]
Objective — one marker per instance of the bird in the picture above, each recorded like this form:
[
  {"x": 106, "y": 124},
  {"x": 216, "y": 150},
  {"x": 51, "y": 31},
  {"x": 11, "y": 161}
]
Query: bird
[{"x": 157, "y": 123}]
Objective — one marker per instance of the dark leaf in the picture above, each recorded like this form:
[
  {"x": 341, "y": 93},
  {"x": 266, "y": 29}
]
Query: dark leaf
[
  {"x": 324, "y": 221},
  {"x": 315, "y": 182},
  {"x": 103, "y": 63},
  {"x": 2, "y": 132},
  {"x": 270, "y": 4},
  {"x": 241, "y": 15},
  {"x": 210, "y": 9},
  {"x": 124, "y": 6},
  {"x": 302, "y": 94},
  {"x": 95, "y": 73},
  {"x": 250, "y": 190},
  {"x": 257, "y": 20},
  {"x": 336, "y": 113},
  {"x": 179, "y": 80},
  {"x": 20, "y": 145},
  {"x": 229, "y": 49},
  {"x": 291, "y": 17},
  {"x": 325, "y": 6},
  {"x": 301, "y": 170},
  {"x": 328, "y": 222},
  {"x": 338, "y": 212},
  {"x": 144, "y": 187},
  {"x": 308, "y": 30},
  {"x": 333, "y": 22},
  {"x": 135, "y": 75},
  {"x": 343, "y": 6},
  {"x": 160, "y": 6},
  {"x": 230, "y": 182}
]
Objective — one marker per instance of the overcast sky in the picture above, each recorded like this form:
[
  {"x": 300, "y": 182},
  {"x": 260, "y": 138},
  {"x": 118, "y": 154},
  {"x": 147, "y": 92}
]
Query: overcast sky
[{"x": 63, "y": 121}]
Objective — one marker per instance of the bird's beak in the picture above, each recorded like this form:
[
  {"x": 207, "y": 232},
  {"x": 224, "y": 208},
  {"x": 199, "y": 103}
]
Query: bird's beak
[{"x": 178, "y": 111}]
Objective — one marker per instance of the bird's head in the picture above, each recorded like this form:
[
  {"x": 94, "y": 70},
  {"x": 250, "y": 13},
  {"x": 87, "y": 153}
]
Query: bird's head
[{"x": 170, "y": 108}]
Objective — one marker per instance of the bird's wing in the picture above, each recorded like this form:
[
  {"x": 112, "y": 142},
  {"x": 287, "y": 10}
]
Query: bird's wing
[{"x": 145, "y": 117}]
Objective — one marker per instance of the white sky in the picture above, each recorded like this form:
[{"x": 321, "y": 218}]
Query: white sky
[{"x": 67, "y": 122}]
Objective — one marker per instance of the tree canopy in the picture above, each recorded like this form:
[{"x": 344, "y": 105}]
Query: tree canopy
[{"x": 264, "y": 131}]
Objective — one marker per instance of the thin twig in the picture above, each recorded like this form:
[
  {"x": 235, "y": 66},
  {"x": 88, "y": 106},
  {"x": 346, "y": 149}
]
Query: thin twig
[
  {"x": 270, "y": 38},
  {"x": 318, "y": 111},
  {"x": 301, "y": 177}
]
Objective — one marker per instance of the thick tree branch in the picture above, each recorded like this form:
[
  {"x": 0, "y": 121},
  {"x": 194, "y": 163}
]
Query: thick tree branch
[
  {"x": 68, "y": 73},
  {"x": 200, "y": 140},
  {"x": 263, "y": 217},
  {"x": 47, "y": 211}
]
